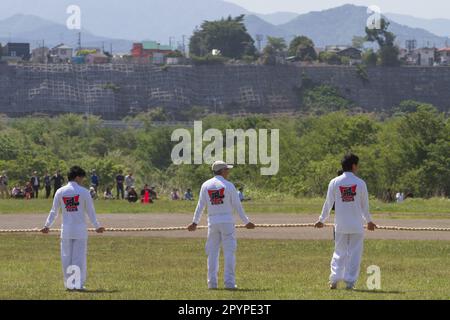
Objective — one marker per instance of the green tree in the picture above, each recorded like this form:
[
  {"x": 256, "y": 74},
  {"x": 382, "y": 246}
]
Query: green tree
[
  {"x": 369, "y": 58},
  {"x": 323, "y": 99},
  {"x": 329, "y": 57},
  {"x": 388, "y": 52},
  {"x": 274, "y": 47},
  {"x": 302, "y": 48},
  {"x": 229, "y": 35},
  {"x": 358, "y": 42}
]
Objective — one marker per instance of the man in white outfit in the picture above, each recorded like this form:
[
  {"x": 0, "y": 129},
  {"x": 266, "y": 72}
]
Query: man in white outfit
[
  {"x": 221, "y": 199},
  {"x": 349, "y": 193},
  {"x": 74, "y": 201}
]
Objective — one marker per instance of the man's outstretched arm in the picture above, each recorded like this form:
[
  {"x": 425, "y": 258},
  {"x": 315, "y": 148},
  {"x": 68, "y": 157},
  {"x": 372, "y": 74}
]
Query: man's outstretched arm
[
  {"x": 327, "y": 206},
  {"x": 53, "y": 214}
]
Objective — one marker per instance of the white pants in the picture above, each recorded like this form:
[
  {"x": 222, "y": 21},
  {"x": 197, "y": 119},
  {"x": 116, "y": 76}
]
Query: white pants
[
  {"x": 346, "y": 261},
  {"x": 221, "y": 234},
  {"x": 73, "y": 253}
]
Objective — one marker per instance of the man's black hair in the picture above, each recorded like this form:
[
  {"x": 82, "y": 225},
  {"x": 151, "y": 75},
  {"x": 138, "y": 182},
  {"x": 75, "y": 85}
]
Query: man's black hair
[
  {"x": 74, "y": 172},
  {"x": 348, "y": 161}
]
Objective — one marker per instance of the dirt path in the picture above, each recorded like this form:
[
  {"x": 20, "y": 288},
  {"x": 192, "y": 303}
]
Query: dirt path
[{"x": 176, "y": 220}]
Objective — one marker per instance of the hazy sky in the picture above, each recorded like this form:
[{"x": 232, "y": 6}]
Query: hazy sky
[{"x": 418, "y": 8}]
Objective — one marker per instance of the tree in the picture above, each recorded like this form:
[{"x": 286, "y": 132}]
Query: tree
[
  {"x": 329, "y": 57},
  {"x": 274, "y": 48},
  {"x": 229, "y": 35},
  {"x": 302, "y": 48},
  {"x": 358, "y": 42},
  {"x": 388, "y": 52},
  {"x": 279, "y": 44},
  {"x": 369, "y": 58},
  {"x": 323, "y": 99}
]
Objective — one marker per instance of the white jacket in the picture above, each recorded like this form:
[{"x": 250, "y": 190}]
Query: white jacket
[
  {"x": 351, "y": 199},
  {"x": 74, "y": 201},
  {"x": 221, "y": 198}
]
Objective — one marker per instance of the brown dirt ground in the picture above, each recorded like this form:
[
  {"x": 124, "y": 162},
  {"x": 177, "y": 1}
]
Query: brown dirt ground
[{"x": 176, "y": 220}]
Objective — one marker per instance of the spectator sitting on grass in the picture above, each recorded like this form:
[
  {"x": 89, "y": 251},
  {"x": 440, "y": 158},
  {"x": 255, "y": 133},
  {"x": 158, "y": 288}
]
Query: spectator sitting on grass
[
  {"x": 145, "y": 195},
  {"x": 29, "y": 191},
  {"x": 153, "y": 194},
  {"x": 17, "y": 193},
  {"x": 93, "y": 193},
  {"x": 188, "y": 195},
  {"x": 107, "y": 195},
  {"x": 174, "y": 195},
  {"x": 132, "y": 195}
]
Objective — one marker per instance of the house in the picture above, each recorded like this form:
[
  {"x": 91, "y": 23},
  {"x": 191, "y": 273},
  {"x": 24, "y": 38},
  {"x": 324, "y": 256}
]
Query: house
[
  {"x": 151, "y": 51},
  {"x": 354, "y": 55},
  {"x": 425, "y": 56},
  {"x": 336, "y": 48},
  {"x": 97, "y": 58},
  {"x": 444, "y": 56},
  {"x": 61, "y": 53},
  {"x": 19, "y": 51},
  {"x": 40, "y": 55}
]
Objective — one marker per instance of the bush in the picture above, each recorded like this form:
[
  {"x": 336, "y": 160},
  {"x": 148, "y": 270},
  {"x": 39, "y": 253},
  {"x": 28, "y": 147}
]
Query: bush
[{"x": 208, "y": 60}]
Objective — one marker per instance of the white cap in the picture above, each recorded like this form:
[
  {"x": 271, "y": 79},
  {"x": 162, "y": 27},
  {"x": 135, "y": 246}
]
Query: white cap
[{"x": 220, "y": 165}]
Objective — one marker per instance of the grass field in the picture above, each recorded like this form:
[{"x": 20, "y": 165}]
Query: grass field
[
  {"x": 436, "y": 208},
  {"x": 148, "y": 268}
]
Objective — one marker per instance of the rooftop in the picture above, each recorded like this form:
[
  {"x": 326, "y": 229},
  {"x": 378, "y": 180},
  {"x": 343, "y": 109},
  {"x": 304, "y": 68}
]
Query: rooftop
[{"x": 153, "y": 45}]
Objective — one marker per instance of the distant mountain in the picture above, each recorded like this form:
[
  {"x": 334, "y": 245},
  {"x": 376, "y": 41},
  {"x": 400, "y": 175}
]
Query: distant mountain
[
  {"x": 440, "y": 27},
  {"x": 257, "y": 26},
  {"x": 339, "y": 25},
  {"x": 132, "y": 19},
  {"x": 278, "y": 17},
  {"x": 32, "y": 29},
  {"x": 161, "y": 20}
]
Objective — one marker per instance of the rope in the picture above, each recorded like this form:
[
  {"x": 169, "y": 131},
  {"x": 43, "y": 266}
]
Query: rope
[{"x": 260, "y": 226}]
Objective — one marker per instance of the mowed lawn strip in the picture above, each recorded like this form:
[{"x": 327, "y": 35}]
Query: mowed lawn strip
[
  {"x": 148, "y": 268},
  {"x": 436, "y": 208}
]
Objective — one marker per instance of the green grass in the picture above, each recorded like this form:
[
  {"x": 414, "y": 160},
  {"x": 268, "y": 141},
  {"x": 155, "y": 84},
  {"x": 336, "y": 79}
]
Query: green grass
[
  {"x": 148, "y": 268},
  {"x": 411, "y": 208}
]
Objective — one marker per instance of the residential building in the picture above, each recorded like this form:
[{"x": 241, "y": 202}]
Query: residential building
[
  {"x": 40, "y": 55},
  {"x": 336, "y": 48},
  {"x": 61, "y": 53},
  {"x": 444, "y": 56},
  {"x": 151, "y": 51},
  {"x": 425, "y": 56},
  {"x": 97, "y": 58},
  {"x": 17, "y": 50},
  {"x": 354, "y": 55}
]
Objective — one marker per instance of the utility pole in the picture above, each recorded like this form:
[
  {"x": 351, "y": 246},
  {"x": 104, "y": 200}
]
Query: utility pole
[
  {"x": 79, "y": 40},
  {"x": 184, "y": 44}
]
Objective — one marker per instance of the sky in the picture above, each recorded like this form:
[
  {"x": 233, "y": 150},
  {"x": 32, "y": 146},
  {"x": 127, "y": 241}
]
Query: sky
[{"x": 417, "y": 8}]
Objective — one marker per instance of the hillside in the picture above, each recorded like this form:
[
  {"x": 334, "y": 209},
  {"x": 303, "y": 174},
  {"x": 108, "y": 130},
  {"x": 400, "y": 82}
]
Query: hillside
[
  {"x": 29, "y": 28},
  {"x": 339, "y": 25}
]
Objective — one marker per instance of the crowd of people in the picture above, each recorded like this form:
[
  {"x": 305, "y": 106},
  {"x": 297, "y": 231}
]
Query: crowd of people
[
  {"x": 32, "y": 187},
  {"x": 125, "y": 188}
]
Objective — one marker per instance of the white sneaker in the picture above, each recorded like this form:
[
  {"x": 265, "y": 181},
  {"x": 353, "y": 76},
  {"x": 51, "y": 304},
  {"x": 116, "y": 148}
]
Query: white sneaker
[{"x": 333, "y": 285}]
